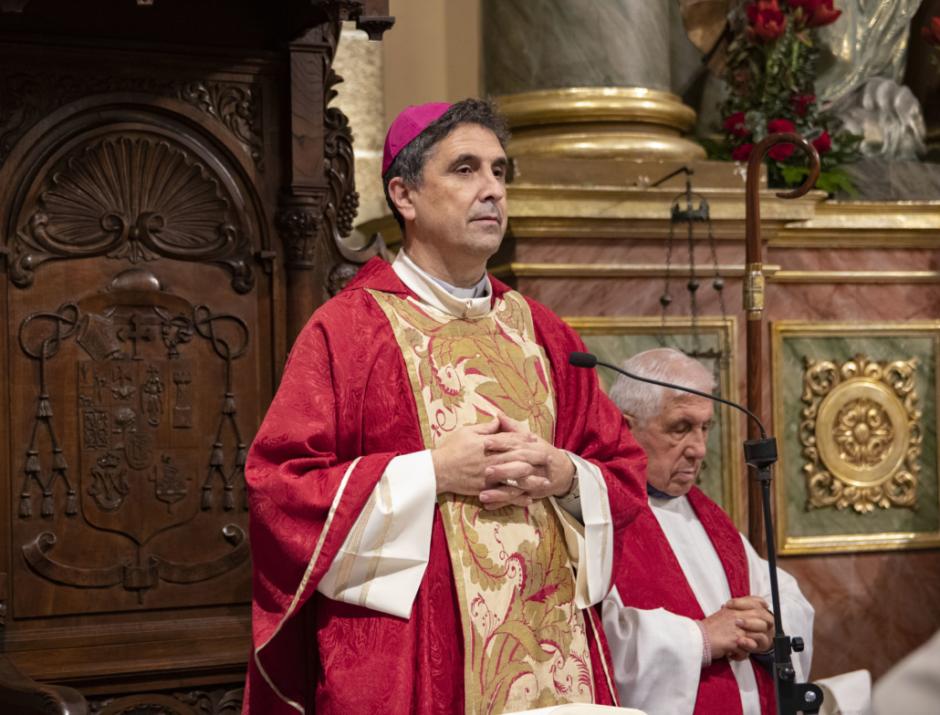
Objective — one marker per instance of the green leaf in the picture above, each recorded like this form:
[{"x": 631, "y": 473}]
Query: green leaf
[
  {"x": 836, "y": 180},
  {"x": 496, "y": 692},
  {"x": 526, "y": 638},
  {"x": 829, "y": 181},
  {"x": 715, "y": 148},
  {"x": 794, "y": 175}
]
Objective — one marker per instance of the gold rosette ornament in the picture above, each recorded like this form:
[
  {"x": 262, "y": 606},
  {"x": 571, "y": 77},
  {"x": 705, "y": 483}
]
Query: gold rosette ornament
[{"x": 861, "y": 434}]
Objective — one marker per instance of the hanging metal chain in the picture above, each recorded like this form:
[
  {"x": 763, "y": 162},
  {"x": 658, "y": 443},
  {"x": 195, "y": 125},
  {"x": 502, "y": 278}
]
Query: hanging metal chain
[
  {"x": 692, "y": 284},
  {"x": 718, "y": 283},
  {"x": 665, "y": 299},
  {"x": 683, "y": 210}
]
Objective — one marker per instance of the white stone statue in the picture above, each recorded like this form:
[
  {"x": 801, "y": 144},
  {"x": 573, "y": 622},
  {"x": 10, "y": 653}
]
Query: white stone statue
[
  {"x": 864, "y": 55},
  {"x": 868, "y": 40},
  {"x": 888, "y": 117}
]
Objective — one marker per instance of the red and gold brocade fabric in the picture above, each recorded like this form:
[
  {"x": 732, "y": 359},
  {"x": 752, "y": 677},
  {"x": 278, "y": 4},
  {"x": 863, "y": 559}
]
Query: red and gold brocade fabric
[
  {"x": 523, "y": 633},
  {"x": 346, "y": 394}
]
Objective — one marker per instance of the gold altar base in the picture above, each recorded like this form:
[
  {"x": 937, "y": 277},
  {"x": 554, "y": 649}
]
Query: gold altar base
[{"x": 600, "y": 122}]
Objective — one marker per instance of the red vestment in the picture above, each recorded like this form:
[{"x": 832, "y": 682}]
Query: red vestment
[
  {"x": 346, "y": 396},
  {"x": 648, "y": 576}
]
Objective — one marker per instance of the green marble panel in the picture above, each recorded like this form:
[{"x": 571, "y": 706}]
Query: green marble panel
[
  {"x": 802, "y": 521},
  {"x": 615, "y": 347}
]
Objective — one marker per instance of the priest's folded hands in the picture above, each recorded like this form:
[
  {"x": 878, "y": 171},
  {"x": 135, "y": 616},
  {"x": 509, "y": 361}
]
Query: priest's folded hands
[
  {"x": 741, "y": 627},
  {"x": 502, "y": 463}
]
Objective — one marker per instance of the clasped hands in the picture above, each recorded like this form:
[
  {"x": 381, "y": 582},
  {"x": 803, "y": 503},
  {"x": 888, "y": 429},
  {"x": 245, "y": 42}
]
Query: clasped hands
[
  {"x": 740, "y": 628},
  {"x": 501, "y": 463}
]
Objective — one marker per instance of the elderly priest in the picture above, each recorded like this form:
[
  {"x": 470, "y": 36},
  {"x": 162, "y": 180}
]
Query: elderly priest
[{"x": 687, "y": 619}]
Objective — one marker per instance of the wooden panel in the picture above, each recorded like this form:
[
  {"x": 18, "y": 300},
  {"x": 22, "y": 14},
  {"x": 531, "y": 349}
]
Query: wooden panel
[
  {"x": 139, "y": 344},
  {"x": 142, "y": 337},
  {"x": 163, "y": 167}
]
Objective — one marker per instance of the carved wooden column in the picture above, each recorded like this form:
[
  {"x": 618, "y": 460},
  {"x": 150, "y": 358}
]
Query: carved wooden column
[
  {"x": 319, "y": 202},
  {"x": 303, "y": 201}
]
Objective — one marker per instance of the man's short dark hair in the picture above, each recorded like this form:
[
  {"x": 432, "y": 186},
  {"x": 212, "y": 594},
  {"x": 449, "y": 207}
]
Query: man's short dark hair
[{"x": 411, "y": 160}]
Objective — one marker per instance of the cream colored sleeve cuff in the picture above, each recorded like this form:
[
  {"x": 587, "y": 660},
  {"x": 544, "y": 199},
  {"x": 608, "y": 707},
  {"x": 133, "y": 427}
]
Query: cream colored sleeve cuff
[
  {"x": 589, "y": 538},
  {"x": 382, "y": 561}
]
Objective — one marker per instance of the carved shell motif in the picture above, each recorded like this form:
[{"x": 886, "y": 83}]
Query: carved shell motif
[{"x": 135, "y": 198}]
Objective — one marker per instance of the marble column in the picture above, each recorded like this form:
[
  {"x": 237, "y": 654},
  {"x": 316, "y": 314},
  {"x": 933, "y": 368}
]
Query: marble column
[
  {"x": 583, "y": 78},
  {"x": 361, "y": 97}
]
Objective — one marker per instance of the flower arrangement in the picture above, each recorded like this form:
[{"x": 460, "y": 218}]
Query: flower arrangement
[
  {"x": 931, "y": 34},
  {"x": 931, "y": 31},
  {"x": 770, "y": 75}
]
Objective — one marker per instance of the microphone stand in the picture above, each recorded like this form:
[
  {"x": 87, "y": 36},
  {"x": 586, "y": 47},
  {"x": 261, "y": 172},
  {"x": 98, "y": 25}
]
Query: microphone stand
[
  {"x": 792, "y": 697},
  {"x": 761, "y": 454}
]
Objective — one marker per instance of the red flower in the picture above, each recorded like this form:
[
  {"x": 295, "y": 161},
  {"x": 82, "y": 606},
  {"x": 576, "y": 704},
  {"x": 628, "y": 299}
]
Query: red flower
[
  {"x": 767, "y": 21},
  {"x": 815, "y": 13},
  {"x": 777, "y": 126},
  {"x": 742, "y": 153},
  {"x": 781, "y": 152},
  {"x": 931, "y": 32},
  {"x": 736, "y": 126},
  {"x": 802, "y": 102},
  {"x": 823, "y": 142}
]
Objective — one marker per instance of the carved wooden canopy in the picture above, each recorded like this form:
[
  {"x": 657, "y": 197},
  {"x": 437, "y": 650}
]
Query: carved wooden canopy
[{"x": 295, "y": 17}]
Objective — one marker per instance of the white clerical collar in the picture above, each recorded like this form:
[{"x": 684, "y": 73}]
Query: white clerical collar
[
  {"x": 670, "y": 503},
  {"x": 459, "y": 302}
]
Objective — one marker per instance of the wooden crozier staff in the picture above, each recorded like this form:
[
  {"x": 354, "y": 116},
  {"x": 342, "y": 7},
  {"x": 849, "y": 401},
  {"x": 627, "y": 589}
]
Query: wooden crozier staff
[{"x": 760, "y": 450}]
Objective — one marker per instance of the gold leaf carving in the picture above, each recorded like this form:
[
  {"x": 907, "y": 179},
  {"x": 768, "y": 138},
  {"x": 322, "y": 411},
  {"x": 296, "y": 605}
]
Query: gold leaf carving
[
  {"x": 864, "y": 432},
  {"x": 860, "y": 433}
]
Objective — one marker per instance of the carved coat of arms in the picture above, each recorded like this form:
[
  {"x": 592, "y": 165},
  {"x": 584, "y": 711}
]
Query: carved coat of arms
[{"x": 136, "y": 419}]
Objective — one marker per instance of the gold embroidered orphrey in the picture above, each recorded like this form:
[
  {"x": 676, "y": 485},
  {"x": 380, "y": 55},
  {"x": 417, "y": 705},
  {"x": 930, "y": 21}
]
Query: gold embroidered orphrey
[
  {"x": 525, "y": 644},
  {"x": 861, "y": 433}
]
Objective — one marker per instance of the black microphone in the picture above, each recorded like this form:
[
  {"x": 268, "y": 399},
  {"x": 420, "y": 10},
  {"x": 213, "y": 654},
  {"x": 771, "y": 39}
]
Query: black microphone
[
  {"x": 582, "y": 359},
  {"x": 760, "y": 454}
]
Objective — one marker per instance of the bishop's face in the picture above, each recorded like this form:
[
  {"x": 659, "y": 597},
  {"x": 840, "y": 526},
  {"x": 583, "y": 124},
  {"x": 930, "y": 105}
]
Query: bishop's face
[
  {"x": 459, "y": 209},
  {"x": 675, "y": 442}
]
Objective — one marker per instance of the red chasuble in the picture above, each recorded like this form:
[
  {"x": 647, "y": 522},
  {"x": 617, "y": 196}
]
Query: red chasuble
[
  {"x": 344, "y": 409},
  {"x": 647, "y": 576}
]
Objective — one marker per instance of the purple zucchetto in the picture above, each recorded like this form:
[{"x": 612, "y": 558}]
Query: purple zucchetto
[{"x": 410, "y": 123}]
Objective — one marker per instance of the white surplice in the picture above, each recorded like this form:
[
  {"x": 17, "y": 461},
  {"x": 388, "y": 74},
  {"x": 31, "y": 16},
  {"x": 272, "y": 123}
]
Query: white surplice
[
  {"x": 657, "y": 655},
  {"x": 912, "y": 686},
  {"x": 382, "y": 561}
]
